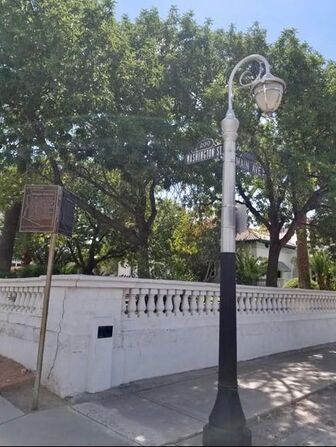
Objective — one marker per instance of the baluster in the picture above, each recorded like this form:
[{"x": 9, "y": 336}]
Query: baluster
[
  {"x": 257, "y": 302},
  {"x": 239, "y": 301},
  {"x": 280, "y": 303},
  {"x": 242, "y": 303},
  {"x": 185, "y": 307},
  {"x": 264, "y": 303},
  {"x": 151, "y": 302},
  {"x": 254, "y": 305},
  {"x": 12, "y": 295},
  {"x": 142, "y": 305},
  {"x": 248, "y": 303},
  {"x": 260, "y": 302},
  {"x": 287, "y": 300},
  {"x": 26, "y": 301},
  {"x": 39, "y": 299},
  {"x": 32, "y": 299},
  {"x": 125, "y": 301},
  {"x": 3, "y": 301},
  {"x": 310, "y": 303},
  {"x": 283, "y": 303},
  {"x": 132, "y": 304},
  {"x": 177, "y": 302},
  {"x": 11, "y": 298},
  {"x": 209, "y": 302},
  {"x": 160, "y": 307},
  {"x": 169, "y": 305},
  {"x": 295, "y": 303},
  {"x": 18, "y": 301},
  {"x": 193, "y": 302},
  {"x": 216, "y": 302},
  {"x": 200, "y": 302}
]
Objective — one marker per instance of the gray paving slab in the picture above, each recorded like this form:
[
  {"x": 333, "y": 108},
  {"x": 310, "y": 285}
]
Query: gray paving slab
[
  {"x": 265, "y": 384},
  {"x": 194, "y": 398},
  {"x": 8, "y": 411},
  {"x": 140, "y": 420},
  {"x": 21, "y": 396},
  {"x": 57, "y": 427}
]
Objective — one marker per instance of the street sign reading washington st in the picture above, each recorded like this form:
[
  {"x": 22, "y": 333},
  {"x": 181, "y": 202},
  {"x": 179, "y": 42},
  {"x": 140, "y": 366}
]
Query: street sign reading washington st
[{"x": 208, "y": 150}]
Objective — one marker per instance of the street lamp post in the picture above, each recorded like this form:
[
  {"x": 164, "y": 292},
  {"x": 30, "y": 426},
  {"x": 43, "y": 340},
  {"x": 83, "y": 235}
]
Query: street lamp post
[{"x": 227, "y": 423}]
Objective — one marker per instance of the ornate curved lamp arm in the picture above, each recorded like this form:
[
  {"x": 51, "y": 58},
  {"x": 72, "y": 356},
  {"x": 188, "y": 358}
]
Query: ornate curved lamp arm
[{"x": 263, "y": 63}]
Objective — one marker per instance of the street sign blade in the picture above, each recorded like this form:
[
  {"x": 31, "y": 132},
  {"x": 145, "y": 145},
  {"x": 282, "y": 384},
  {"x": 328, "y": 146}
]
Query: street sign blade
[
  {"x": 247, "y": 162},
  {"x": 214, "y": 152}
]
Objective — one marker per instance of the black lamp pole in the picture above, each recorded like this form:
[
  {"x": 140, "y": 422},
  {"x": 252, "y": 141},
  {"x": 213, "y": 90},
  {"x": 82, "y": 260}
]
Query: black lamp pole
[{"x": 227, "y": 423}]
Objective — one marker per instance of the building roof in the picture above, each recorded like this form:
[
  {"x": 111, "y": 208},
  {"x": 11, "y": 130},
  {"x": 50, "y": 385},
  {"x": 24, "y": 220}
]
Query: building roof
[{"x": 252, "y": 234}]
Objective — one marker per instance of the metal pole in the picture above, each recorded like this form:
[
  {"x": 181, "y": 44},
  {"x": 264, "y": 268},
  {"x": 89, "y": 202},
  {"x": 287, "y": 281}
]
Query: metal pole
[
  {"x": 44, "y": 322},
  {"x": 227, "y": 423}
]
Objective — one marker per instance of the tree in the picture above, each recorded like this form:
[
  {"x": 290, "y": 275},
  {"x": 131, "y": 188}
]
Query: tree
[
  {"x": 182, "y": 245},
  {"x": 303, "y": 256},
  {"x": 294, "y": 148},
  {"x": 51, "y": 72},
  {"x": 10, "y": 207}
]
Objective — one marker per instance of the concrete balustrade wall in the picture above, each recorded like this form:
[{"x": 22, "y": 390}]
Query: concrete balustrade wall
[{"x": 103, "y": 332}]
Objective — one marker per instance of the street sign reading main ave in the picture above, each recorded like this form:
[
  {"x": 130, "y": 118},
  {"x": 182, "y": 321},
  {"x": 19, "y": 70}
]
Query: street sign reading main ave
[{"x": 208, "y": 150}]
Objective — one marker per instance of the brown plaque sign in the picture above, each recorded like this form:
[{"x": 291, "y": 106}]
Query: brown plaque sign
[
  {"x": 47, "y": 209},
  {"x": 40, "y": 209}
]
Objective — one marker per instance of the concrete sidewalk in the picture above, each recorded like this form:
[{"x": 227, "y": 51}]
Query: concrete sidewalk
[{"x": 167, "y": 410}]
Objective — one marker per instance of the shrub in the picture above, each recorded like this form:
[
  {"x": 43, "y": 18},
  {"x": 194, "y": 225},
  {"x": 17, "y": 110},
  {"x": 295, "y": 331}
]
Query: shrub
[
  {"x": 294, "y": 284},
  {"x": 250, "y": 269}
]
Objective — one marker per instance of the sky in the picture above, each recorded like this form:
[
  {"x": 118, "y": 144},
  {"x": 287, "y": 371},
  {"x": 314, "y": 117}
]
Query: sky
[{"x": 315, "y": 20}]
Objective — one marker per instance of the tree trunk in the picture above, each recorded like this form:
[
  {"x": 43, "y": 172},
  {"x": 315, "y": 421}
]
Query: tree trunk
[
  {"x": 272, "y": 267},
  {"x": 90, "y": 266},
  {"x": 7, "y": 238},
  {"x": 143, "y": 261},
  {"x": 303, "y": 258}
]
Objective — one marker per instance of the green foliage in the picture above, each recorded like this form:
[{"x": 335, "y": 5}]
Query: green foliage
[
  {"x": 109, "y": 108},
  {"x": 323, "y": 270},
  {"x": 294, "y": 284},
  {"x": 182, "y": 245},
  {"x": 249, "y": 268}
]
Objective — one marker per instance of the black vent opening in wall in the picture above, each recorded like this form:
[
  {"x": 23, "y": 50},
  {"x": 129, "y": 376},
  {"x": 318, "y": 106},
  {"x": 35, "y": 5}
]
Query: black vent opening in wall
[{"x": 105, "y": 331}]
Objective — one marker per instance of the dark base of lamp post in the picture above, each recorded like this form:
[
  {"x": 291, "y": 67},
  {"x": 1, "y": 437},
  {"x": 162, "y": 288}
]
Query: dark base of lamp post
[
  {"x": 227, "y": 423},
  {"x": 214, "y": 436}
]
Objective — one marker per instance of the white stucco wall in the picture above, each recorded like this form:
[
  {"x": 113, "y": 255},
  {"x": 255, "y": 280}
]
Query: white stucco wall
[{"x": 159, "y": 327}]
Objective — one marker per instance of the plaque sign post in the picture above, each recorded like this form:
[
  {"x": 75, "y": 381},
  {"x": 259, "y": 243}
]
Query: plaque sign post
[{"x": 46, "y": 209}]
